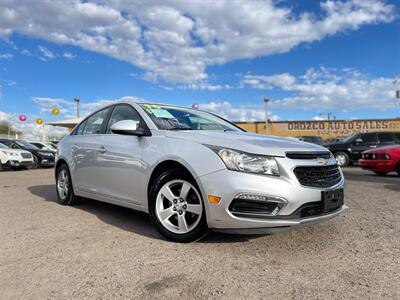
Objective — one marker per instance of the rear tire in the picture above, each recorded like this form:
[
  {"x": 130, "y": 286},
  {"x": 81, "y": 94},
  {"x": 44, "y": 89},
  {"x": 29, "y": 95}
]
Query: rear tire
[
  {"x": 342, "y": 159},
  {"x": 176, "y": 207},
  {"x": 65, "y": 192}
]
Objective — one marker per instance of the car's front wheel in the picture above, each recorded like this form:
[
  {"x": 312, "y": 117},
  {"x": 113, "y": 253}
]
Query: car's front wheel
[
  {"x": 176, "y": 207},
  {"x": 342, "y": 159},
  {"x": 65, "y": 193},
  {"x": 398, "y": 168}
]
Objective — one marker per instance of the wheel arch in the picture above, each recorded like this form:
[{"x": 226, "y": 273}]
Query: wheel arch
[{"x": 164, "y": 166}]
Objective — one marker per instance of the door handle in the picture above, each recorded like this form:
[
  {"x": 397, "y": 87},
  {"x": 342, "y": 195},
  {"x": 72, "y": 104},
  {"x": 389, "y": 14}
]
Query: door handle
[{"x": 102, "y": 150}]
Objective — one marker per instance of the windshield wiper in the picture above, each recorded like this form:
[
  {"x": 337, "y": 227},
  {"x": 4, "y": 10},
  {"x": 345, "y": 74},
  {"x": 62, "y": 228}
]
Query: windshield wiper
[{"x": 180, "y": 128}]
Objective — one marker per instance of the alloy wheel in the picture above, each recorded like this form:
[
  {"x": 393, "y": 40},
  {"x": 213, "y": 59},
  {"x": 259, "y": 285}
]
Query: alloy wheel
[
  {"x": 341, "y": 159},
  {"x": 63, "y": 184},
  {"x": 178, "y": 206}
]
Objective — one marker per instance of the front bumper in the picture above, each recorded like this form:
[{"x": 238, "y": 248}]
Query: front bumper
[
  {"x": 227, "y": 184},
  {"x": 45, "y": 162},
  {"x": 377, "y": 165},
  {"x": 18, "y": 164}
]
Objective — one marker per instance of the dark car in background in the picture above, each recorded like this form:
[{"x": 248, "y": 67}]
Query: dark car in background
[
  {"x": 42, "y": 158},
  {"x": 350, "y": 149}
]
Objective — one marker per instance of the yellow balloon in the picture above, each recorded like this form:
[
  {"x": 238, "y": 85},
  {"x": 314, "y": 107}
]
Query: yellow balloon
[
  {"x": 55, "y": 111},
  {"x": 39, "y": 121}
]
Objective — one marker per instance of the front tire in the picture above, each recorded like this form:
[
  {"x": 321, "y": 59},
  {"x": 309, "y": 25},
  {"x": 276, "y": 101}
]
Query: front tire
[
  {"x": 176, "y": 207},
  {"x": 342, "y": 159},
  {"x": 398, "y": 168},
  {"x": 65, "y": 193}
]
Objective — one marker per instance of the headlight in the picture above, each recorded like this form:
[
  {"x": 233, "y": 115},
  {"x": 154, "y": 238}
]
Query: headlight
[
  {"x": 45, "y": 154},
  {"x": 385, "y": 156},
  {"x": 248, "y": 163}
]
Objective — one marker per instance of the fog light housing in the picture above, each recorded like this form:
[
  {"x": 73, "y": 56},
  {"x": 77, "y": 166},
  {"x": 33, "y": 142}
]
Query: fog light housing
[{"x": 256, "y": 205}]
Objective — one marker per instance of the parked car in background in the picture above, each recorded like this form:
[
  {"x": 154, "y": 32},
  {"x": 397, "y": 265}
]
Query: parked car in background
[
  {"x": 349, "y": 150},
  {"x": 382, "y": 160},
  {"x": 193, "y": 171},
  {"x": 44, "y": 146},
  {"x": 311, "y": 139},
  {"x": 14, "y": 158},
  {"x": 41, "y": 158}
]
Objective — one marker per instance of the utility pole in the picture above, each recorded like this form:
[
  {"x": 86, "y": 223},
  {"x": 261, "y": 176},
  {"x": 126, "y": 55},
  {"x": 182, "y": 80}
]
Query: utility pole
[
  {"x": 77, "y": 100},
  {"x": 266, "y": 100}
]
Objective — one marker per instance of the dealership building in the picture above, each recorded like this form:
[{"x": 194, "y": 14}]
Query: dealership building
[{"x": 325, "y": 129}]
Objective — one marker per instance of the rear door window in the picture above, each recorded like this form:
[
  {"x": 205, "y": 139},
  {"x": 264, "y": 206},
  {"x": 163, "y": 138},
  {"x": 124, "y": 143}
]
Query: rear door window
[
  {"x": 369, "y": 138},
  {"x": 80, "y": 129},
  {"x": 94, "y": 123},
  {"x": 386, "y": 138}
]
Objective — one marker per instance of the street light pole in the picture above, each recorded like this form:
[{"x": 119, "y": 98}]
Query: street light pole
[
  {"x": 77, "y": 100},
  {"x": 266, "y": 100}
]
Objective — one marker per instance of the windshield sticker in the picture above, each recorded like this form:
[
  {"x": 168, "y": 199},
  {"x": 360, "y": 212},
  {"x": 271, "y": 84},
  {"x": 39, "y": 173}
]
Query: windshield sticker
[{"x": 161, "y": 113}]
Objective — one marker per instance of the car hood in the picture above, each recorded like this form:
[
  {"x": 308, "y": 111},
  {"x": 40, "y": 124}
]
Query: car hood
[
  {"x": 247, "y": 142},
  {"x": 384, "y": 149},
  {"x": 14, "y": 150}
]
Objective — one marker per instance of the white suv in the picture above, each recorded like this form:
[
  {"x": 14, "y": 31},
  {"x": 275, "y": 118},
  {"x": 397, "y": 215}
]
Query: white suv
[
  {"x": 14, "y": 158},
  {"x": 193, "y": 171}
]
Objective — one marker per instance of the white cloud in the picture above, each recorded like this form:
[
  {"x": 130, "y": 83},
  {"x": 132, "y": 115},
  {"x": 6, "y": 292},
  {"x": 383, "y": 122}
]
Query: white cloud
[
  {"x": 68, "y": 55},
  {"x": 323, "y": 88},
  {"x": 46, "y": 54},
  {"x": 202, "y": 86},
  {"x": 237, "y": 113},
  {"x": 26, "y": 52},
  {"x": 177, "y": 40},
  {"x": 7, "y": 56}
]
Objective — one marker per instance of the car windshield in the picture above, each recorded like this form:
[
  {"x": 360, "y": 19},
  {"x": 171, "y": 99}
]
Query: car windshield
[
  {"x": 349, "y": 138},
  {"x": 48, "y": 145},
  {"x": 2, "y": 146},
  {"x": 26, "y": 145},
  {"x": 179, "y": 118}
]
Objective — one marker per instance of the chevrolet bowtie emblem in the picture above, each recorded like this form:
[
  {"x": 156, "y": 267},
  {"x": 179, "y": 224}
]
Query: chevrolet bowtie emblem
[{"x": 322, "y": 161}]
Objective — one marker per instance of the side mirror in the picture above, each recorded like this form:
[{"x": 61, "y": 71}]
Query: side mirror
[
  {"x": 359, "y": 140},
  {"x": 128, "y": 127}
]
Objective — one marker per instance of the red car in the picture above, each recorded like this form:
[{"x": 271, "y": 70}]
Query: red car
[{"x": 382, "y": 160}]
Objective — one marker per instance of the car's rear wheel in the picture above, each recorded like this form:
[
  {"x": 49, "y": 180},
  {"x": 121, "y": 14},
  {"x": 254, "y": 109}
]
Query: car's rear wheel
[
  {"x": 65, "y": 193},
  {"x": 176, "y": 207},
  {"x": 342, "y": 159}
]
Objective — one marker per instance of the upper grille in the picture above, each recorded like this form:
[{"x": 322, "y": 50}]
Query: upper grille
[
  {"x": 26, "y": 155},
  {"x": 318, "y": 176},
  {"x": 308, "y": 155}
]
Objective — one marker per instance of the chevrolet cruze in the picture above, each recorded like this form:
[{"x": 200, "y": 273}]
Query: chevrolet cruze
[{"x": 193, "y": 171}]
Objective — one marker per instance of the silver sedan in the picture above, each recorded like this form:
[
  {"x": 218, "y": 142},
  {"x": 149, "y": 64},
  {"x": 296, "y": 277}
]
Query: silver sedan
[{"x": 193, "y": 171}]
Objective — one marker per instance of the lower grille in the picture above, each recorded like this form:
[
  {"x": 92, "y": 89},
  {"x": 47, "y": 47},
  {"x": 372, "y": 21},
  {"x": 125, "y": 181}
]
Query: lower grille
[
  {"x": 251, "y": 208},
  {"x": 26, "y": 155},
  {"x": 318, "y": 176}
]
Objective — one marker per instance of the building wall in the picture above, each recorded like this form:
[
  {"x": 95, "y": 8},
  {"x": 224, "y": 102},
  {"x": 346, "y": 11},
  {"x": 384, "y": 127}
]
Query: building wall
[{"x": 324, "y": 129}]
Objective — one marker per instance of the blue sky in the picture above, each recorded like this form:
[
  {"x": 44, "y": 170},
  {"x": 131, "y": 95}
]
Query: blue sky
[{"x": 309, "y": 57}]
